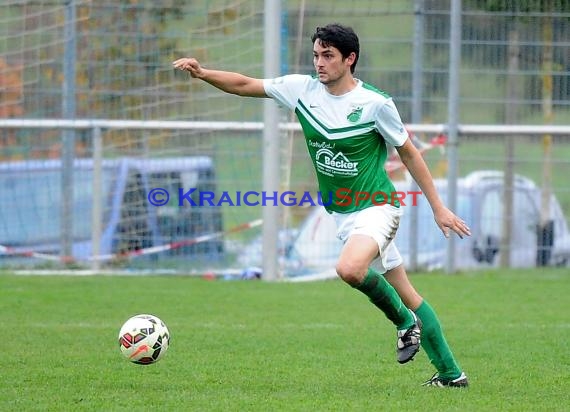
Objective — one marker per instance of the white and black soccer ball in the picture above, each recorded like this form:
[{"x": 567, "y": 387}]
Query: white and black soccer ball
[{"x": 144, "y": 339}]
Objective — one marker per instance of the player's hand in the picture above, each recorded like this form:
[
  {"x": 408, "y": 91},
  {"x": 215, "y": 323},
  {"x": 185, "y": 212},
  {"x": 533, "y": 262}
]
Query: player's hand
[
  {"x": 447, "y": 220},
  {"x": 188, "y": 64}
]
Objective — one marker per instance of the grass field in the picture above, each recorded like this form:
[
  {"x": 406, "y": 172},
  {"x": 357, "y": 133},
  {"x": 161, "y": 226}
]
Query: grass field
[{"x": 256, "y": 346}]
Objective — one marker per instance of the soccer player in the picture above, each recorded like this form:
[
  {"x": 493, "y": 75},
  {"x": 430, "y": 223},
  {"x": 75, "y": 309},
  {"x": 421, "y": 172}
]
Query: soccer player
[{"x": 347, "y": 124}]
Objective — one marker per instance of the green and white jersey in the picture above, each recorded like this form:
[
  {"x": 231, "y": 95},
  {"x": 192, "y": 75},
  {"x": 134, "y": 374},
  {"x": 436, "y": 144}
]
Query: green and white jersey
[{"x": 346, "y": 137}]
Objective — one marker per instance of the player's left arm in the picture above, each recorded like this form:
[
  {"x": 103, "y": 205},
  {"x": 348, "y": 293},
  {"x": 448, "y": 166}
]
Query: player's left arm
[{"x": 445, "y": 218}]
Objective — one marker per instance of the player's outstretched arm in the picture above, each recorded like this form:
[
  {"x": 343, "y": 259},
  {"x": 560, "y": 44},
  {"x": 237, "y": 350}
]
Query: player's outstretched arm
[
  {"x": 229, "y": 82},
  {"x": 445, "y": 218}
]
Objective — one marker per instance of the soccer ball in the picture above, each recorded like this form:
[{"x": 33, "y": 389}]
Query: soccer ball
[{"x": 144, "y": 339}]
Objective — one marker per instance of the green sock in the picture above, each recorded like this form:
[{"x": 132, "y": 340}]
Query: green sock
[
  {"x": 434, "y": 343},
  {"x": 385, "y": 298}
]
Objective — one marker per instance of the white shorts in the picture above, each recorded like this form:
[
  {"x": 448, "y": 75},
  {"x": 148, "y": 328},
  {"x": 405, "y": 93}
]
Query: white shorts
[{"x": 378, "y": 222}]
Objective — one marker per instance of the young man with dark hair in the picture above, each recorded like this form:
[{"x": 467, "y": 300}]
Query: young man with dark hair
[{"x": 347, "y": 119}]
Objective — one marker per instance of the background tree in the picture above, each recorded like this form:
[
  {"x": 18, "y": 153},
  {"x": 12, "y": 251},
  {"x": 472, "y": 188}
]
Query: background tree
[{"x": 11, "y": 97}]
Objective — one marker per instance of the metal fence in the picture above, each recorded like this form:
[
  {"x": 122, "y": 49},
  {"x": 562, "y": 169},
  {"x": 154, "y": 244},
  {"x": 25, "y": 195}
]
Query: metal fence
[{"x": 111, "y": 60}]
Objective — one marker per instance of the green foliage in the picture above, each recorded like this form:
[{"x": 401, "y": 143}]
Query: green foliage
[
  {"x": 279, "y": 347},
  {"x": 113, "y": 71},
  {"x": 514, "y": 6}
]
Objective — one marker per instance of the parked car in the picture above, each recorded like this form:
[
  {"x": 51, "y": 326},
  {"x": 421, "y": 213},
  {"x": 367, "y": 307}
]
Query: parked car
[
  {"x": 31, "y": 197},
  {"x": 479, "y": 202}
]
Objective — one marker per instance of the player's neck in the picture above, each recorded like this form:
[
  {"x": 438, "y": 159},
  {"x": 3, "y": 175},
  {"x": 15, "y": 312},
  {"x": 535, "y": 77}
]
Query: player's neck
[{"x": 342, "y": 86}]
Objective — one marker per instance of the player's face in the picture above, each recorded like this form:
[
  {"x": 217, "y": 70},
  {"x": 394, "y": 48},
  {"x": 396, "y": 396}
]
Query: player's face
[{"x": 329, "y": 64}]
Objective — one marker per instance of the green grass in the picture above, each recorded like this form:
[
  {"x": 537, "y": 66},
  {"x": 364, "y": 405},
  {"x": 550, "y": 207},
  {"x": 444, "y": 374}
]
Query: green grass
[{"x": 279, "y": 346}]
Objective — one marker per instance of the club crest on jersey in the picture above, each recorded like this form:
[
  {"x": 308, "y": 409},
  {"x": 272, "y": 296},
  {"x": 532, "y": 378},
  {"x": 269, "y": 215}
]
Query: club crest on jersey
[{"x": 355, "y": 114}]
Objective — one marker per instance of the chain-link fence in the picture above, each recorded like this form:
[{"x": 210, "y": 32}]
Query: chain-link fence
[{"x": 112, "y": 60}]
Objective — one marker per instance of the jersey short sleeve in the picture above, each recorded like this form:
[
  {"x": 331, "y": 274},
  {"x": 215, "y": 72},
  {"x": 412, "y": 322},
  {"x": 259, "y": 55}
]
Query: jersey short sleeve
[
  {"x": 389, "y": 124},
  {"x": 286, "y": 89}
]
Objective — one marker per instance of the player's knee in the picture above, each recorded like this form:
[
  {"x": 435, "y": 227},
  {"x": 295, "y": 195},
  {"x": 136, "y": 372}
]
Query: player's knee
[{"x": 350, "y": 272}]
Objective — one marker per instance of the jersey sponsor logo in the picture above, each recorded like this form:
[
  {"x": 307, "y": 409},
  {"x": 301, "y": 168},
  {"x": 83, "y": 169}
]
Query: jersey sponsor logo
[
  {"x": 355, "y": 114},
  {"x": 334, "y": 164},
  {"x": 321, "y": 145}
]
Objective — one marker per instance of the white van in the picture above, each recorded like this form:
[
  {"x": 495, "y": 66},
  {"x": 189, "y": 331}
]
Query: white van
[{"x": 315, "y": 248}]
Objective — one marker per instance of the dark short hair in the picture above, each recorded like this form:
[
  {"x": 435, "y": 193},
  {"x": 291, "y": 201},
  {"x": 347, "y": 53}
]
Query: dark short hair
[{"x": 340, "y": 37}]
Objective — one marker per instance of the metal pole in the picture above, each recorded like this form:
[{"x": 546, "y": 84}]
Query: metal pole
[
  {"x": 453, "y": 120},
  {"x": 417, "y": 114},
  {"x": 272, "y": 64},
  {"x": 68, "y": 135},
  {"x": 509, "y": 174},
  {"x": 546, "y": 228},
  {"x": 96, "y": 212}
]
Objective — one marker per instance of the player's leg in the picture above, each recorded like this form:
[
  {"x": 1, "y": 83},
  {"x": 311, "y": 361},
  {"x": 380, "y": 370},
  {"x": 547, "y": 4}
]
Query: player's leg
[
  {"x": 354, "y": 268},
  {"x": 432, "y": 338}
]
